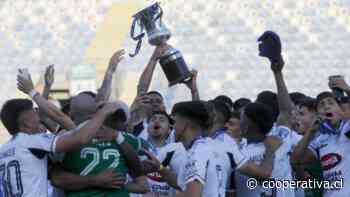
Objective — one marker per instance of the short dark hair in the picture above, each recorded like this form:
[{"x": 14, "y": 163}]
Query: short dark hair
[
  {"x": 196, "y": 111},
  {"x": 241, "y": 102},
  {"x": 155, "y": 92},
  {"x": 269, "y": 99},
  {"x": 225, "y": 99},
  {"x": 222, "y": 108},
  {"x": 308, "y": 103},
  {"x": 11, "y": 111},
  {"x": 297, "y": 97},
  {"x": 171, "y": 121},
  {"x": 261, "y": 115},
  {"x": 323, "y": 95}
]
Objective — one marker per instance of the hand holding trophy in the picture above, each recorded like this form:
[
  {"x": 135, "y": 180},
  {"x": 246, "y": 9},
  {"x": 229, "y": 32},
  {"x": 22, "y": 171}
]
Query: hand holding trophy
[{"x": 171, "y": 60}]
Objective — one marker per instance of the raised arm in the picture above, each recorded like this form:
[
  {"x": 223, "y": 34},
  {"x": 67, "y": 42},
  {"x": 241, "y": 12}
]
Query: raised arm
[
  {"x": 49, "y": 80},
  {"x": 284, "y": 102},
  {"x": 104, "y": 92},
  {"x": 147, "y": 74},
  {"x": 79, "y": 136},
  {"x": 192, "y": 85},
  {"x": 270, "y": 46},
  {"x": 83, "y": 134},
  {"x": 50, "y": 110}
]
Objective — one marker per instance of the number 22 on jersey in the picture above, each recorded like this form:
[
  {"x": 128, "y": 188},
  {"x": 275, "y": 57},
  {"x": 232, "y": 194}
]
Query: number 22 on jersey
[{"x": 96, "y": 158}]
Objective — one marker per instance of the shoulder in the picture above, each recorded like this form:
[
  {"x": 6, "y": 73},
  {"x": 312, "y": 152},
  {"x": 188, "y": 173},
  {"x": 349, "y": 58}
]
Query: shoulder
[
  {"x": 202, "y": 147},
  {"x": 134, "y": 141},
  {"x": 32, "y": 138}
]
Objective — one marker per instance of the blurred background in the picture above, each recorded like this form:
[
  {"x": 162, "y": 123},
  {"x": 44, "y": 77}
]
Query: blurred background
[{"x": 218, "y": 38}]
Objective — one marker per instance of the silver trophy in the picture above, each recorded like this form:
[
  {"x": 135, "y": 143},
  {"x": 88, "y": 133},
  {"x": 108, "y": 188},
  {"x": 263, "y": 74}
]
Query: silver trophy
[{"x": 172, "y": 62}]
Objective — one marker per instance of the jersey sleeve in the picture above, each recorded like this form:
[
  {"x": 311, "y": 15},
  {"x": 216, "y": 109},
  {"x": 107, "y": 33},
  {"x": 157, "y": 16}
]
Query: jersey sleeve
[
  {"x": 42, "y": 141},
  {"x": 197, "y": 164},
  {"x": 178, "y": 159}
]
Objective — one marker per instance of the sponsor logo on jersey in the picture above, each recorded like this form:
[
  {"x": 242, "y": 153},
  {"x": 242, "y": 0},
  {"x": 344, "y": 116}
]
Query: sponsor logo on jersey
[
  {"x": 155, "y": 176},
  {"x": 330, "y": 160},
  {"x": 333, "y": 176}
]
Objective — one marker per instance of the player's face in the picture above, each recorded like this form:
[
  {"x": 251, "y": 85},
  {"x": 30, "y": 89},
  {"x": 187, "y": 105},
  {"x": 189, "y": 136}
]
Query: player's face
[
  {"x": 30, "y": 121},
  {"x": 233, "y": 126},
  {"x": 329, "y": 109},
  {"x": 293, "y": 118},
  {"x": 305, "y": 119},
  {"x": 158, "y": 125},
  {"x": 244, "y": 124},
  {"x": 180, "y": 125},
  {"x": 156, "y": 102}
]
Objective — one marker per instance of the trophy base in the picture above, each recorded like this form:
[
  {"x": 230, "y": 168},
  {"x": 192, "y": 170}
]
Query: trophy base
[
  {"x": 175, "y": 68},
  {"x": 181, "y": 80}
]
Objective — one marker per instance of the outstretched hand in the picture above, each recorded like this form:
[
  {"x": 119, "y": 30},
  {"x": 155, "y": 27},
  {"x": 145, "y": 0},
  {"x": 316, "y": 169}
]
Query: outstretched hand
[
  {"x": 109, "y": 179},
  {"x": 115, "y": 59},
  {"x": 49, "y": 75},
  {"x": 338, "y": 82},
  {"x": 277, "y": 66},
  {"x": 24, "y": 81},
  {"x": 270, "y": 46}
]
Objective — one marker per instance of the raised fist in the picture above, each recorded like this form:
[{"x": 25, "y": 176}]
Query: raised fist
[{"x": 270, "y": 46}]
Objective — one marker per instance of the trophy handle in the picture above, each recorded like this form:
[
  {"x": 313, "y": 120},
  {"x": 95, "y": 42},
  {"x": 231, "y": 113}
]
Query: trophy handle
[
  {"x": 160, "y": 14},
  {"x": 137, "y": 38}
]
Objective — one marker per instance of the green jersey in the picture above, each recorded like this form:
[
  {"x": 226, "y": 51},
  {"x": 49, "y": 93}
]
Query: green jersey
[
  {"x": 96, "y": 157},
  {"x": 315, "y": 171}
]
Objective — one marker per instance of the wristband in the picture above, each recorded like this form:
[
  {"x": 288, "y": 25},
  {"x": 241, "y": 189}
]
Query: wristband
[
  {"x": 33, "y": 93},
  {"x": 120, "y": 138}
]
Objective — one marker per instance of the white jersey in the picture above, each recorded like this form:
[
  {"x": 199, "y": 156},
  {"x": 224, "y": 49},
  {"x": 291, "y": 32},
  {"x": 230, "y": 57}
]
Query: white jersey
[
  {"x": 175, "y": 156},
  {"x": 202, "y": 165},
  {"x": 333, "y": 152},
  {"x": 23, "y": 164},
  {"x": 282, "y": 169},
  {"x": 231, "y": 157}
]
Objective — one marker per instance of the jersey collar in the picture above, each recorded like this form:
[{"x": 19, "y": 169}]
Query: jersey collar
[{"x": 218, "y": 132}]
